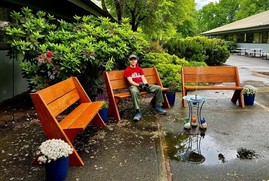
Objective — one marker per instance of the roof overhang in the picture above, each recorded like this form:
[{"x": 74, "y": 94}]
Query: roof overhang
[
  {"x": 255, "y": 23},
  {"x": 65, "y": 9},
  {"x": 248, "y": 29}
]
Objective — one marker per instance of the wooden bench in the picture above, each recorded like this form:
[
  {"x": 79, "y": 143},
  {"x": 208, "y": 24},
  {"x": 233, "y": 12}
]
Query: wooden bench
[
  {"x": 116, "y": 81},
  {"x": 211, "y": 76},
  {"x": 52, "y": 101}
]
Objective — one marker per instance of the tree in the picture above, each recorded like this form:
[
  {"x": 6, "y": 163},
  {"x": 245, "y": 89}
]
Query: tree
[
  {"x": 251, "y": 7},
  {"x": 219, "y": 14},
  {"x": 159, "y": 19}
]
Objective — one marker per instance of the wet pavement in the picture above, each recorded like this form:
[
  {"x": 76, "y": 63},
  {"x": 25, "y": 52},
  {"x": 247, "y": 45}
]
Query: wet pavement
[{"x": 234, "y": 146}]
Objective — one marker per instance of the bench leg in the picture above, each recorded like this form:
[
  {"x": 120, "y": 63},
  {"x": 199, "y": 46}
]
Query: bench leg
[
  {"x": 75, "y": 159},
  {"x": 98, "y": 121},
  {"x": 166, "y": 102},
  {"x": 113, "y": 108},
  {"x": 184, "y": 93},
  {"x": 238, "y": 96}
]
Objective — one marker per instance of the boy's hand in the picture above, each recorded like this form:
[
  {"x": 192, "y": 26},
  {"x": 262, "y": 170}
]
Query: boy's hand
[
  {"x": 141, "y": 85},
  {"x": 146, "y": 87}
]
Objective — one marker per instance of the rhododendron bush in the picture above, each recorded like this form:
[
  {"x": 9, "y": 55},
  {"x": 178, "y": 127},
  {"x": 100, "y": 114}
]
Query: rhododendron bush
[{"x": 51, "y": 50}]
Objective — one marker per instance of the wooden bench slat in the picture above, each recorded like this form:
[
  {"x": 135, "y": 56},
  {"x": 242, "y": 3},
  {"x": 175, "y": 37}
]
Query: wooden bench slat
[
  {"x": 55, "y": 91},
  {"x": 213, "y": 88},
  {"x": 70, "y": 118},
  {"x": 210, "y": 78},
  {"x": 123, "y": 95},
  {"x": 81, "y": 121},
  {"x": 119, "y": 84},
  {"x": 62, "y": 103},
  {"x": 210, "y": 70}
]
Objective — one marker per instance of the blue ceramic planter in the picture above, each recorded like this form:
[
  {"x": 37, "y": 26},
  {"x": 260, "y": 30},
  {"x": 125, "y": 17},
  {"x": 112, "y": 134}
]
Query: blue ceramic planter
[
  {"x": 171, "y": 98},
  {"x": 249, "y": 99},
  {"x": 104, "y": 113},
  {"x": 57, "y": 170}
]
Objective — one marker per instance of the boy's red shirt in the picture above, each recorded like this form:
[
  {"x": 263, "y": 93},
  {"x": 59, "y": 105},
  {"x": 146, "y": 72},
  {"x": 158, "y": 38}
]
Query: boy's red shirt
[{"x": 135, "y": 73}]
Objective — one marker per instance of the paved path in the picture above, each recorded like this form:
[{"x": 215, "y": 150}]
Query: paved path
[{"x": 251, "y": 69}]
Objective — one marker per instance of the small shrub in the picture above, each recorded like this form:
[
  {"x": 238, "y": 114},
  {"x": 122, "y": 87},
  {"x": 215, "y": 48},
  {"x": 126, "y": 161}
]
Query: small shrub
[{"x": 168, "y": 66}]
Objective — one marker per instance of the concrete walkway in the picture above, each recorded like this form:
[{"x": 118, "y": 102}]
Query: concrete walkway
[{"x": 155, "y": 148}]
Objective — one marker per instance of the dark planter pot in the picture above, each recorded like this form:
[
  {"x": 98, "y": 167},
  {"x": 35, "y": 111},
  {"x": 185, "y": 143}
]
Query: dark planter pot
[
  {"x": 249, "y": 99},
  {"x": 57, "y": 170},
  {"x": 104, "y": 113},
  {"x": 171, "y": 98}
]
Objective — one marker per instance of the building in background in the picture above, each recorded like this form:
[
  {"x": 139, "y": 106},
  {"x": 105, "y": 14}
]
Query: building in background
[{"x": 250, "y": 32}]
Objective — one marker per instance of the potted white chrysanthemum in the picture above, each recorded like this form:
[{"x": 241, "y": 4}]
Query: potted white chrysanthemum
[
  {"x": 249, "y": 93},
  {"x": 55, "y": 154}
]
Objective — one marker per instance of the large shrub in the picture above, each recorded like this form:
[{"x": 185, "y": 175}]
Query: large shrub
[
  {"x": 50, "y": 50},
  {"x": 231, "y": 45},
  {"x": 199, "y": 49},
  {"x": 216, "y": 50}
]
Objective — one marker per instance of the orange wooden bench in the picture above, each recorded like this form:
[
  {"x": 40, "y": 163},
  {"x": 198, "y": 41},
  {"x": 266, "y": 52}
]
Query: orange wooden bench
[
  {"x": 53, "y": 100},
  {"x": 214, "y": 76},
  {"x": 116, "y": 81}
]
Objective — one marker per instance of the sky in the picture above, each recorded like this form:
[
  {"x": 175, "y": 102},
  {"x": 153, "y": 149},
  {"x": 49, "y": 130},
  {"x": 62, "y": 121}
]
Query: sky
[{"x": 201, "y": 3}]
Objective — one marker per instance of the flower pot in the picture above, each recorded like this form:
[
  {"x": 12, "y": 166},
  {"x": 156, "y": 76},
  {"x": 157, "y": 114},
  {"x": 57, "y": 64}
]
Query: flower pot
[
  {"x": 171, "y": 96},
  {"x": 249, "y": 99},
  {"x": 57, "y": 170},
  {"x": 103, "y": 113}
]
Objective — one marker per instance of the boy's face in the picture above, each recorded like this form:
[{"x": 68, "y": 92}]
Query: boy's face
[{"x": 133, "y": 62}]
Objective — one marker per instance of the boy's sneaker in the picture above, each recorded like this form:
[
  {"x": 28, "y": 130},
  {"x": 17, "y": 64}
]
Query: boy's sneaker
[
  {"x": 137, "y": 117},
  {"x": 160, "y": 110}
]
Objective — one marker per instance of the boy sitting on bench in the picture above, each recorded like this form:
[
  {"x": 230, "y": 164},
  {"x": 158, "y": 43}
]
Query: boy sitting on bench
[{"x": 138, "y": 83}]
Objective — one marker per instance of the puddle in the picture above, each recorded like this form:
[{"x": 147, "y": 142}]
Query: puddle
[{"x": 201, "y": 150}]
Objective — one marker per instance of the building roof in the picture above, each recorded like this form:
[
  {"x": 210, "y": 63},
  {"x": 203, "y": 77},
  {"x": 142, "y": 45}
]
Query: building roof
[
  {"x": 65, "y": 9},
  {"x": 255, "y": 22}
]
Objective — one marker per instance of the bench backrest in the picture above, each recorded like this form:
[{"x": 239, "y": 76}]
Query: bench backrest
[
  {"x": 212, "y": 74},
  {"x": 62, "y": 95},
  {"x": 117, "y": 80}
]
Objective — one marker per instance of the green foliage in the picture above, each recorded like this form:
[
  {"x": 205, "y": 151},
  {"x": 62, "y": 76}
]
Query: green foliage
[
  {"x": 158, "y": 19},
  {"x": 170, "y": 74},
  {"x": 199, "y": 49},
  {"x": 168, "y": 66},
  {"x": 251, "y": 7},
  {"x": 231, "y": 45},
  {"x": 217, "y": 14},
  {"x": 83, "y": 49}
]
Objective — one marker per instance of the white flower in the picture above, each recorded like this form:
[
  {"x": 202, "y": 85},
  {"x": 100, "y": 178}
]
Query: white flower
[
  {"x": 53, "y": 149},
  {"x": 249, "y": 89}
]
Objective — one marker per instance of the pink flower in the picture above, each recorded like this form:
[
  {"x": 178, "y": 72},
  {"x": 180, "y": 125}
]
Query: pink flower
[
  {"x": 49, "y": 59},
  {"x": 49, "y": 54}
]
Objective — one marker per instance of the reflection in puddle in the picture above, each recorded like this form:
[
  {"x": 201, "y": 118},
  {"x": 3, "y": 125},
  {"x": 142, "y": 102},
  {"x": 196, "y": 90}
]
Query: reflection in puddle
[
  {"x": 197, "y": 149},
  {"x": 243, "y": 153}
]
